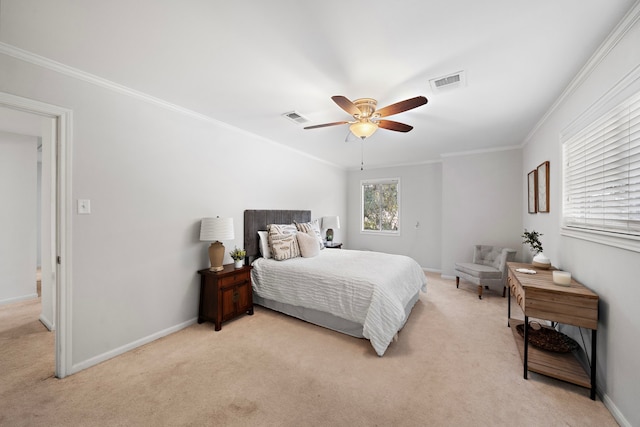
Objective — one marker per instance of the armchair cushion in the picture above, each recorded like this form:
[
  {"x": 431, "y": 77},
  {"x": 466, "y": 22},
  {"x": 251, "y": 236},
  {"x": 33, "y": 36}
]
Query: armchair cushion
[{"x": 482, "y": 272}]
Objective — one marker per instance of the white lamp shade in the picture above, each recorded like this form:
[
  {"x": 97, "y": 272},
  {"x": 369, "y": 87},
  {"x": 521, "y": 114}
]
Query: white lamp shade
[
  {"x": 331, "y": 222},
  {"x": 216, "y": 229}
]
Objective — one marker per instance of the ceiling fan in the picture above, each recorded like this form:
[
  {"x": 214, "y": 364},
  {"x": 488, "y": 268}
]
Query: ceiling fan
[{"x": 368, "y": 119}]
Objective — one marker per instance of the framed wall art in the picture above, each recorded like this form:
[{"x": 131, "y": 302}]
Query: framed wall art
[
  {"x": 532, "y": 185},
  {"x": 543, "y": 187}
]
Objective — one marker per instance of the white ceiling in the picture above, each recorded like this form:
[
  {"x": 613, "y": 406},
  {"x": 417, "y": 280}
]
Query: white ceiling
[{"x": 246, "y": 62}]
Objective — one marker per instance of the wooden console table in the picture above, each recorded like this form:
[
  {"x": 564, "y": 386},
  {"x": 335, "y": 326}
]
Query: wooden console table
[{"x": 539, "y": 297}]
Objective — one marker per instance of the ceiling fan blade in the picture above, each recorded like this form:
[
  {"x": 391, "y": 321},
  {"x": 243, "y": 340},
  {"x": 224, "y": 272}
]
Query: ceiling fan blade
[
  {"x": 346, "y": 105},
  {"x": 401, "y": 106},
  {"x": 324, "y": 125},
  {"x": 397, "y": 126}
]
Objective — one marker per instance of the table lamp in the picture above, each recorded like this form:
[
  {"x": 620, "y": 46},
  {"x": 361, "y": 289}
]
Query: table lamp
[
  {"x": 330, "y": 222},
  {"x": 214, "y": 230}
]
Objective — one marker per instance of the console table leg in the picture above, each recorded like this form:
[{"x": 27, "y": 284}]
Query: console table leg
[
  {"x": 509, "y": 309},
  {"x": 526, "y": 345},
  {"x": 594, "y": 335}
]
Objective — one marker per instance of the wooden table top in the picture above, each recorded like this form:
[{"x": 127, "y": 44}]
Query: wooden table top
[{"x": 543, "y": 280}]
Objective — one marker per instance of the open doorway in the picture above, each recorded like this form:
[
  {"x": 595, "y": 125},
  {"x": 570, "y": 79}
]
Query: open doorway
[{"x": 54, "y": 138}]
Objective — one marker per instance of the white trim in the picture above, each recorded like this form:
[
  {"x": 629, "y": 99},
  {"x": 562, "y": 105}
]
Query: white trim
[
  {"x": 615, "y": 412},
  {"x": 396, "y": 181},
  {"x": 630, "y": 243},
  {"x": 18, "y": 299},
  {"x": 62, "y": 315},
  {"x": 75, "y": 73},
  {"x": 130, "y": 346},
  {"x": 603, "y": 104},
  {"x": 46, "y": 322},
  {"x": 481, "y": 151},
  {"x": 395, "y": 165},
  {"x": 599, "y": 55}
]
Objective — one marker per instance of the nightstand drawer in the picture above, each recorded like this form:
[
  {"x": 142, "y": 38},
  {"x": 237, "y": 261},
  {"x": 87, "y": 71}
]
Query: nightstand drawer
[{"x": 234, "y": 279}]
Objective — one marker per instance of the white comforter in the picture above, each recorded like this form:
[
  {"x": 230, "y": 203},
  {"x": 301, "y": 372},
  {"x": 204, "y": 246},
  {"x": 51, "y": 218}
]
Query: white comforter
[{"x": 369, "y": 288}]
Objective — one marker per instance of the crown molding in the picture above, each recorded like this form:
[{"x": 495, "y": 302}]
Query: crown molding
[
  {"x": 618, "y": 33},
  {"x": 481, "y": 151},
  {"x": 75, "y": 73}
]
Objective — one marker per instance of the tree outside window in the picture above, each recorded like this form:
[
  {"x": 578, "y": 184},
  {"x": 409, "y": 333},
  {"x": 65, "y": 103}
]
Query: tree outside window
[{"x": 380, "y": 210}]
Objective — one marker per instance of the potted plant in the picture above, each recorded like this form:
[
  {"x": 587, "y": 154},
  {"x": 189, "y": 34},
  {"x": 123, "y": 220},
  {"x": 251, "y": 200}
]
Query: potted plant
[
  {"x": 238, "y": 257},
  {"x": 532, "y": 238}
]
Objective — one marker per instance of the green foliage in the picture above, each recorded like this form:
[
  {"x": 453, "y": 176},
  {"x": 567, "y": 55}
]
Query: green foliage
[
  {"x": 532, "y": 238},
  {"x": 380, "y": 207},
  {"x": 238, "y": 254}
]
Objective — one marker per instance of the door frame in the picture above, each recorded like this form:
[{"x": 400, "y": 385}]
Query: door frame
[{"x": 61, "y": 174}]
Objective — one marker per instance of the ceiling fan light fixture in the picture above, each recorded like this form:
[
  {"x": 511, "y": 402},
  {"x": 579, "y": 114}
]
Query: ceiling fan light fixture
[{"x": 363, "y": 129}]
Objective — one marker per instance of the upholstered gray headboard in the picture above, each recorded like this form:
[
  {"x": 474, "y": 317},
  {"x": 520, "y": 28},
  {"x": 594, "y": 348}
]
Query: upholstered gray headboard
[{"x": 257, "y": 220}]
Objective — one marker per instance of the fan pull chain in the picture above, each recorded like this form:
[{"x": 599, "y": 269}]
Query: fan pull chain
[{"x": 362, "y": 155}]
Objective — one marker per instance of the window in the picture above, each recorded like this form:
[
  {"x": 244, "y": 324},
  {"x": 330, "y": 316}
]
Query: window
[
  {"x": 601, "y": 180},
  {"x": 380, "y": 206}
]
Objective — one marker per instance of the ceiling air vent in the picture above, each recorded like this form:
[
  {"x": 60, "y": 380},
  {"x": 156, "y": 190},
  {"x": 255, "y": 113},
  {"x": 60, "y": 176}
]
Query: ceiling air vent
[
  {"x": 296, "y": 117},
  {"x": 448, "y": 82}
]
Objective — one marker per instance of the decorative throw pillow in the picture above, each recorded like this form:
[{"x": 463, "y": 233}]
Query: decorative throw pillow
[
  {"x": 264, "y": 244},
  {"x": 283, "y": 242},
  {"x": 312, "y": 228},
  {"x": 308, "y": 244}
]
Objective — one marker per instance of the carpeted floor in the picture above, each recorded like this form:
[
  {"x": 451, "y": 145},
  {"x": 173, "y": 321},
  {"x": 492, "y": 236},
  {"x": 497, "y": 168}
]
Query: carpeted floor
[{"x": 455, "y": 364}]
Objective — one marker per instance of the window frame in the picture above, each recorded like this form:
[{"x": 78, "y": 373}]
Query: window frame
[
  {"x": 395, "y": 181},
  {"x": 597, "y": 117}
]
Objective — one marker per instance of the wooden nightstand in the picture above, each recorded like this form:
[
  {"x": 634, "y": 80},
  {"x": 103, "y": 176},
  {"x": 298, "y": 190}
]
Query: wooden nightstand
[
  {"x": 225, "y": 294},
  {"x": 333, "y": 245}
]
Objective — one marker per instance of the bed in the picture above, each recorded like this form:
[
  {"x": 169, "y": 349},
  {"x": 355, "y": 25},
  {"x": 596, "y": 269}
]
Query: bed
[{"x": 360, "y": 293}]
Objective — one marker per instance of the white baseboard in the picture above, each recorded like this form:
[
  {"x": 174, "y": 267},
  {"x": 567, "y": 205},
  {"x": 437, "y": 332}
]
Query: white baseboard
[
  {"x": 18, "y": 299},
  {"x": 617, "y": 415},
  {"x": 432, "y": 270},
  {"x": 47, "y": 323},
  {"x": 77, "y": 367}
]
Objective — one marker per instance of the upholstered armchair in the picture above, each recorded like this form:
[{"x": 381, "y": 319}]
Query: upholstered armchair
[{"x": 489, "y": 268}]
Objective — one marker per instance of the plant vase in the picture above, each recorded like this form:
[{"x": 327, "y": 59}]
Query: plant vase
[
  {"x": 541, "y": 261},
  {"x": 239, "y": 263}
]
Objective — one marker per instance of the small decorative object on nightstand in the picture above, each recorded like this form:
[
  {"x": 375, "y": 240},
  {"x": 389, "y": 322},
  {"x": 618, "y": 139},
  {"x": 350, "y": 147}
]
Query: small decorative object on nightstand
[
  {"x": 225, "y": 294},
  {"x": 238, "y": 257},
  {"x": 333, "y": 245},
  {"x": 329, "y": 223}
]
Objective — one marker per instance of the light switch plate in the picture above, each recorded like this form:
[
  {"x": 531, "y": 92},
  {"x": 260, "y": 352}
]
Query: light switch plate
[{"x": 84, "y": 206}]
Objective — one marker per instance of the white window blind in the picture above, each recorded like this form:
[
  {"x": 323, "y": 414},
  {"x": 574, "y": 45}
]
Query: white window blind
[{"x": 601, "y": 180}]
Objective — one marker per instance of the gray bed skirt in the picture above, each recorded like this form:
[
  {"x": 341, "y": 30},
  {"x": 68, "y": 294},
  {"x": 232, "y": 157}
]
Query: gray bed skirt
[{"x": 323, "y": 319}]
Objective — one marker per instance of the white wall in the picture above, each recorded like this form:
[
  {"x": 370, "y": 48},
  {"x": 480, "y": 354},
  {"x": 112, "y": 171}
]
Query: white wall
[
  {"x": 609, "y": 271},
  {"x": 481, "y": 204},
  {"x": 18, "y": 228},
  {"x": 151, "y": 174},
  {"x": 420, "y": 198}
]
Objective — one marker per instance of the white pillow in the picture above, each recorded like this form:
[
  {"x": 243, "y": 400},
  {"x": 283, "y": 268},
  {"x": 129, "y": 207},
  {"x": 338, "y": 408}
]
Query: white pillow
[
  {"x": 264, "y": 244},
  {"x": 308, "y": 244},
  {"x": 312, "y": 228}
]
